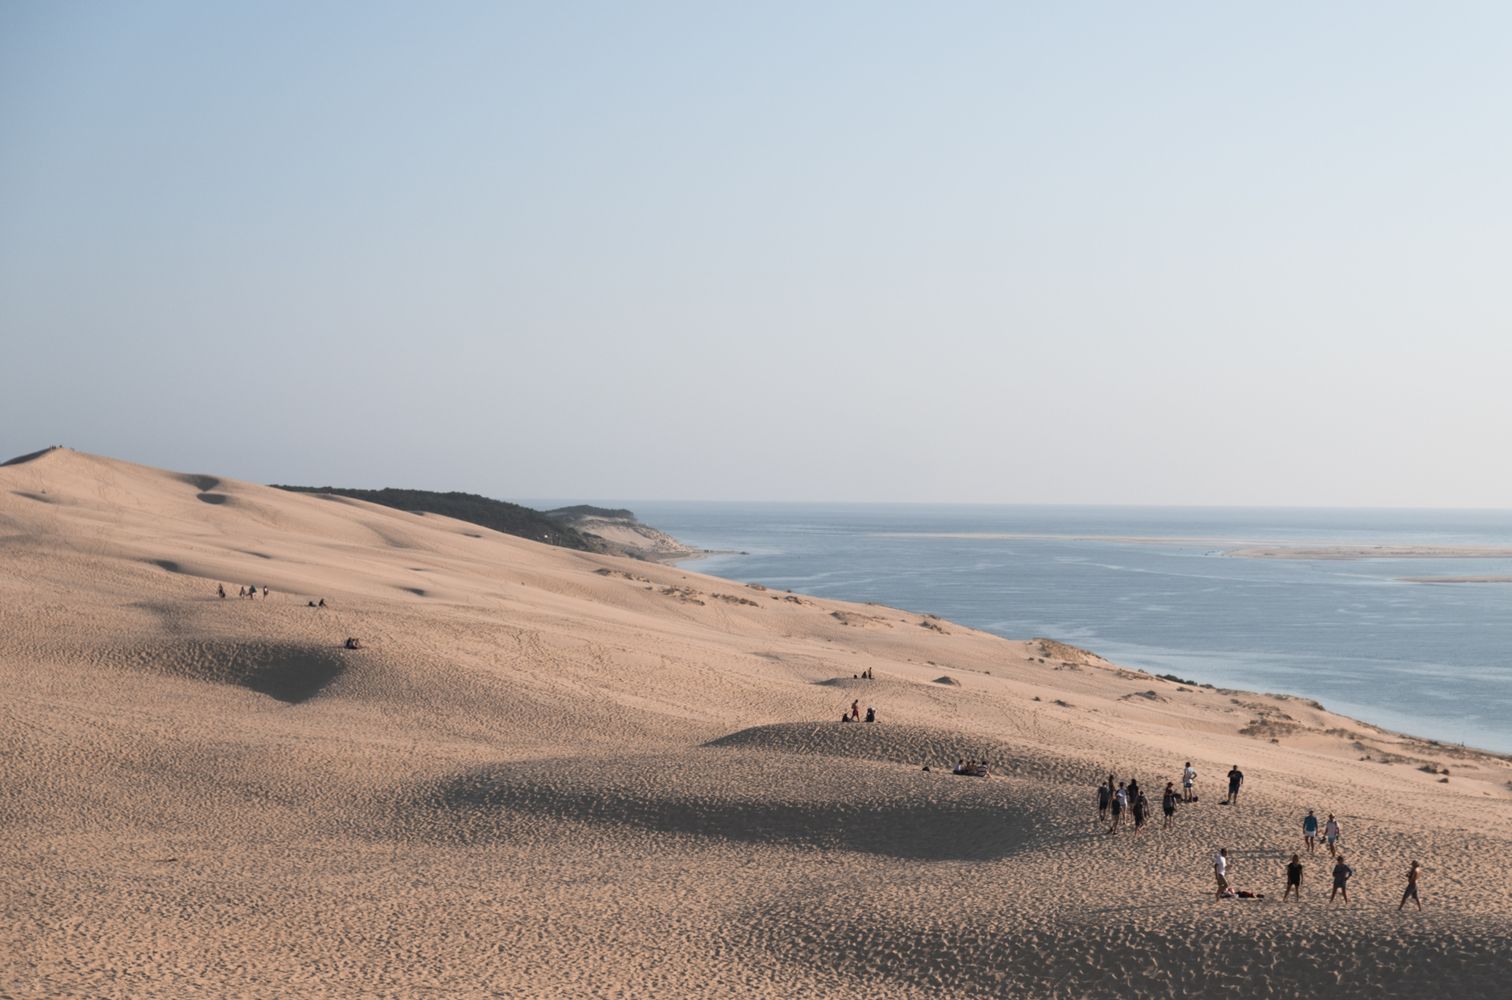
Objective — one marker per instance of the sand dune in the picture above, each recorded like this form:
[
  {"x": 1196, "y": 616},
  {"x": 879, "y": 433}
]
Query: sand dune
[{"x": 550, "y": 773}]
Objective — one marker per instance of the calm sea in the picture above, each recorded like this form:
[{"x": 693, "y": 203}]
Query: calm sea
[{"x": 1432, "y": 660}]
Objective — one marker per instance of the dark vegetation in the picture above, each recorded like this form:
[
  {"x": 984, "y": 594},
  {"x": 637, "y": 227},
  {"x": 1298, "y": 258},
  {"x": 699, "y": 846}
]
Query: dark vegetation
[
  {"x": 509, "y": 518},
  {"x": 583, "y": 510}
]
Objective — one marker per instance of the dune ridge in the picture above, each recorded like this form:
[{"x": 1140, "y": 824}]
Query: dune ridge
[{"x": 557, "y": 773}]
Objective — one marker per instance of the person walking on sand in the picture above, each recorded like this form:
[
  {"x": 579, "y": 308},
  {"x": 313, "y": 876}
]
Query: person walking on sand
[
  {"x": 1120, "y": 803},
  {"x": 1187, "y": 777},
  {"x": 1104, "y": 799},
  {"x": 1341, "y": 873},
  {"x": 1141, "y": 807},
  {"x": 1310, "y": 831},
  {"x": 1168, "y": 804},
  {"x": 1331, "y": 834},
  {"x": 265, "y": 591},
  {"x": 1411, "y": 890},
  {"x": 1236, "y": 780},
  {"x": 1293, "y": 879},
  {"x": 220, "y": 588},
  {"x": 1220, "y": 870},
  {"x": 856, "y": 710}
]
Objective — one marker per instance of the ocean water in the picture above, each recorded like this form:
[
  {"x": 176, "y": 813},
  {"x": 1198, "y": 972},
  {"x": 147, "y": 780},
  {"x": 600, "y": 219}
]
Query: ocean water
[{"x": 1431, "y": 660}]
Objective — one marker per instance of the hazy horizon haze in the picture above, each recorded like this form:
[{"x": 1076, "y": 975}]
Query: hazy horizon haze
[{"x": 850, "y": 252}]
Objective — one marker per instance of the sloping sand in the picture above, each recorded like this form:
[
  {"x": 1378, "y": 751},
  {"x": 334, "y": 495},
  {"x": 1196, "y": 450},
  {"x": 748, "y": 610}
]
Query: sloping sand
[{"x": 548, "y": 773}]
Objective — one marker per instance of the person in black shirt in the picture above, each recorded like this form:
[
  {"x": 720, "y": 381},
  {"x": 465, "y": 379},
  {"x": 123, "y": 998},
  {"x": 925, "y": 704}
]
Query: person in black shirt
[
  {"x": 1168, "y": 803},
  {"x": 1294, "y": 878},
  {"x": 1236, "y": 778}
]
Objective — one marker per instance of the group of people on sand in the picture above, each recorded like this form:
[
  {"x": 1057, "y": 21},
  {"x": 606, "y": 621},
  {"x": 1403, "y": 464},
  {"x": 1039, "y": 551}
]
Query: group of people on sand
[
  {"x": 250, "y": 593},
  {"x": 1341, "y": 872},
  {"x": 972, "y": 768},
  {"x": 1331, "y": 833},
  {"x": 854, "y": 714},
  {"x": 1128, "y": 799},
  {"x": 865, "y": 675}
]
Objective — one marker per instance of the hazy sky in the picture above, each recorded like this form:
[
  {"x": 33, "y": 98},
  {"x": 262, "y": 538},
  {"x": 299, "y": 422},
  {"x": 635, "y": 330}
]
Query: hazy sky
[{"x": 1103, "y": 253}]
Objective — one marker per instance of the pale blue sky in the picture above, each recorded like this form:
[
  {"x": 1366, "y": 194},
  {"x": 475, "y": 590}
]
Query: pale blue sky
[{"x": 1103, "y": 253}]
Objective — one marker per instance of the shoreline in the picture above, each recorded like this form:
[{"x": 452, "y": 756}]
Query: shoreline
[{"x": 1401, "y": 735}]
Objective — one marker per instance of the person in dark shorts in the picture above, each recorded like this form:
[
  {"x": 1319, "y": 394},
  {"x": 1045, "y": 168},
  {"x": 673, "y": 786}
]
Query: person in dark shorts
[
  {"x": 1341, "y": 873},
  {"x": 1293, "y": 879},
  {"x": 1141, "y": 805},
  {"x": 1104, "y": 799},
  {"x": 1310, "y": 831},
  {"x": 1168, "y": 804},
  {"x": 1188, "y": 776},
  {"x": 1236, "y": 779},
  {"x": 1411, "y": 891},
  {"x": 1120, "y": 802}
]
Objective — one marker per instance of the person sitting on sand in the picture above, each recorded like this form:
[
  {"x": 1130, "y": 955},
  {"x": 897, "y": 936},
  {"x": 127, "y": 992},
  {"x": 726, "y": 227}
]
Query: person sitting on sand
[
  {"x": 871, "y": 714},
  {"x": 309, "y": 604},
  {"x": 353, "y": 644},
  {"x": 1168, "y": 804},
  {"x": 845, "y": 717},
  {"x": 1293, "y": 879},
  {"x": 1411, "y": 890},
  {"x": 1104, "y": 799},
  {"x": 1341, "y": 873},
  {"x": 982, "y": 770},
  {"x": 1120, "y": 802},
  {"x": 1310, "y": 831},
  {"x": 321, "y": 604},
  {"x": 960, "y": 767},
  {"x": 1187, "y": 777},
  {"x": 1331, "y": 833},
  {"x": 1236, "y": 779},
  {"x": 1220, "y": 870}
]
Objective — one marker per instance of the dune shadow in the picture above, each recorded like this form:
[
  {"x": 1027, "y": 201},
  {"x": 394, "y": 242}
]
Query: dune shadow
[
  {"x": 212, "y": 498},
  {"x": 289, "y": 672},
  {"x": 39, "y": 497},
  {"x": 200, "y": 482},
  {"x": 746, "y": 804}
]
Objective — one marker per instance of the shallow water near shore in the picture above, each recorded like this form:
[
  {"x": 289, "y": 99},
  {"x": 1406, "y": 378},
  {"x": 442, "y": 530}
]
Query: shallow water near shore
[{"x": 1153, "y": 588}]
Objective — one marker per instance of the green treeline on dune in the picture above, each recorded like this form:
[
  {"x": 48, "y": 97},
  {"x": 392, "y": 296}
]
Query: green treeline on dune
[{"x": 498, "y": 515}]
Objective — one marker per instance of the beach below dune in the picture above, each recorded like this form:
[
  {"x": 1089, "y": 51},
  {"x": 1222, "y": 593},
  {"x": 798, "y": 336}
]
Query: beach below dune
[{"x": 550, "y": 773}]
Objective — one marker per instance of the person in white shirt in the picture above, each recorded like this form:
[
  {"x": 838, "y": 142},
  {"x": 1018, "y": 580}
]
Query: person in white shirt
[
  {"x": 1331, "y": 833},
  {"x": 1220, "y": 869},
  {"x": 1187, "y": 777}
]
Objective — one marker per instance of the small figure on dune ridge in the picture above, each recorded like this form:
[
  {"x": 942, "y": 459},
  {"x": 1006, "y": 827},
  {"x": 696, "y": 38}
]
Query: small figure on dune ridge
[
  {"x": 1236, "y": 781},
  {"x": 1411, "y": 892},
  {"x": 1293, "y": 879},
  {"x": 1341, "y": 874}
]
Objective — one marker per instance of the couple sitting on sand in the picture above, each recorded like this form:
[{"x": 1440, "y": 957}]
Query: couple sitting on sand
[{"x": 971, "y": 768}]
